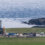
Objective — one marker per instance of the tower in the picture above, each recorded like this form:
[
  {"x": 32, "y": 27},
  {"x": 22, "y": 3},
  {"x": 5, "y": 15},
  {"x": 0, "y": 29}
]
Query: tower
[{"x": 0, "y": 24}]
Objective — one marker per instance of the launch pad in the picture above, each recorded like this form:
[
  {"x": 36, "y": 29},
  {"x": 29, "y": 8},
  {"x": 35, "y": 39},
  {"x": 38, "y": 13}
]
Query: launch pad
[{"x": 2, "y": 30}]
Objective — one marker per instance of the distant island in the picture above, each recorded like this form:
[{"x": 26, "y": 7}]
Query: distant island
[{"x": 39, "y": 21}]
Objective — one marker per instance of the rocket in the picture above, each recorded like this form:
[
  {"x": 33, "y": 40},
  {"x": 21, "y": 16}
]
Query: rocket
[{"x": 4, "y": 32}]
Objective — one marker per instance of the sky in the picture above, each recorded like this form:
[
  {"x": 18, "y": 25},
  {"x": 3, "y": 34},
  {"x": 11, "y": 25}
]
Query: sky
[
  {"x": 8, "y": 4},
  {"x": 11, "y": 4}
]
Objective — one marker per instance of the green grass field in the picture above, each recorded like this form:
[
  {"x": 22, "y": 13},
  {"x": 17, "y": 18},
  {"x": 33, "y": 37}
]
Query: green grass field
[
  {"x": 23, "y": 41},
  {"x": 25, "y": 30}
]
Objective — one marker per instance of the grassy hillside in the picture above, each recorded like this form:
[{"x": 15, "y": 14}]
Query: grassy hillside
[{"x": 27, "y": 30}]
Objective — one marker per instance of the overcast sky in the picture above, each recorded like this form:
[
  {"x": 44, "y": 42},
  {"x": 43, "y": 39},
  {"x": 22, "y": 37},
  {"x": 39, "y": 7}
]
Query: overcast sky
[{"x": 7, "y": 4}]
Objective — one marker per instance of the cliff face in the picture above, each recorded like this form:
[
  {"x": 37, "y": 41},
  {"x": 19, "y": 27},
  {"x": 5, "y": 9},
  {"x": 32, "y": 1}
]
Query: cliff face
[{"x": 39, "y": 21}]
